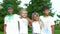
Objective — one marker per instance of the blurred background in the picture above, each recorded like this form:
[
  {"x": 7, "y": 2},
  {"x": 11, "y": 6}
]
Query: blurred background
[{"x": 31, "y": 6}]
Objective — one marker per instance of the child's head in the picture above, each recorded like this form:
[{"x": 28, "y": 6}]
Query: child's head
[
  {"x": 45, "y": 10},
  {"x": 10, "y": 8},
  {"x": 35, "y": 16},
  {"x": 23, "y": 13}
]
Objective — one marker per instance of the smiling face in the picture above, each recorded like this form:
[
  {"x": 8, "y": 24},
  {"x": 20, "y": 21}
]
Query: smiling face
[
  {"x": 24, "y": 14},
  {"x": 10, "y": 10},
  {"x": 35, "y": 17},
  {"x": 46, "y": 12}
]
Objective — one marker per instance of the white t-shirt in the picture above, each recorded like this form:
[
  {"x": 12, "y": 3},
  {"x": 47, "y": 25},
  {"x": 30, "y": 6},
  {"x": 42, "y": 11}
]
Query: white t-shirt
[
  {"x": 23, "y": 26},
  {"x": 12, "y": 24},
  {"x": 36, "y": 27},
  {"x": 48, "y": 22}
]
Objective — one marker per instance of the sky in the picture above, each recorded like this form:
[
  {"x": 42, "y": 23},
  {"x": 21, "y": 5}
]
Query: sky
[
  {"x": 55, "y": 6},
  {"x": 24, "y": 2},
  {"x": 1, "y": 0}
]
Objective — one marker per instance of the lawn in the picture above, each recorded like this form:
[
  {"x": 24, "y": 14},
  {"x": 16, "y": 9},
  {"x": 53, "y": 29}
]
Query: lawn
[
  {"x": 1, "y": 33},
  {"x": 56, "y": 32}
]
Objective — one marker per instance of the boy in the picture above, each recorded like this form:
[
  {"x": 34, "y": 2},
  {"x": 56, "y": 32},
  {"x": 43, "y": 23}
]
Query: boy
[
  {"x": 24, "y": 21},
  {"x": 48, "y": 21},
  {"x": 11, "y": 21}
]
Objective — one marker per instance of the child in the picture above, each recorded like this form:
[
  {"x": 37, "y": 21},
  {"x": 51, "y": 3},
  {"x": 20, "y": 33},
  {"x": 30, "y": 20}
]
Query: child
[
  {"x": 48, "y": 21},
  {"x": 24, "y": 21},
  {"x": 11, "y": 22},
  {"x": 36, "y": 24}
]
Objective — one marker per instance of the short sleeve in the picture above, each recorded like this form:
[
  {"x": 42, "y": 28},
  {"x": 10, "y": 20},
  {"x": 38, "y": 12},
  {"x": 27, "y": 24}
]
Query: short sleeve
[
  {"x": 5, "y": 20},
  {"x": 41, "y": 17},
  {"x": 52, "y": 21},
  {"x": 16, "y": 16}
]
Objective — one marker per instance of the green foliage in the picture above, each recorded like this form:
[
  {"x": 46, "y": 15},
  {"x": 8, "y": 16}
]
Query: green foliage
[
  {"x": 51, "y": 14},
  {"x": 58, "y": 16},
  {"x": 1, "y": 27},
  {"x": 57, "y": 27},
  {"x": 15, "y": 4},
  {"x": 36, "y": 6}
]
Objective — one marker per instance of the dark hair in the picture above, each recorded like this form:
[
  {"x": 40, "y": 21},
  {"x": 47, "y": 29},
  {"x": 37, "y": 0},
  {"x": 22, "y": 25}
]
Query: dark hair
[{"x": 45, "y": 8}]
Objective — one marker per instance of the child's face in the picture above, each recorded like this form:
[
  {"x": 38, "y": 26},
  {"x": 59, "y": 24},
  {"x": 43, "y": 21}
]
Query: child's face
[
  {"x": 46, "y": 12},
  {"x": 10, "y": 10},
  {"x": 24, "y": 14},
  {"x": 35, "y": 17}
]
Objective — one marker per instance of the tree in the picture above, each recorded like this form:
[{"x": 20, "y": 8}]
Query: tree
[
  {"x": 58, "y": 16},
  {"x": 14, "y": 3},
  {"x": 3, "y": 12},
  {"x": 36, "y": 6}
]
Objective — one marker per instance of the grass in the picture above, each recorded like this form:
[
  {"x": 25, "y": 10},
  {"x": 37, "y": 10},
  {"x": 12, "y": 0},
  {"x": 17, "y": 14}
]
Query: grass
[
  {"x": 55, "y": 32},
  {"x": 1, "y": 33}
]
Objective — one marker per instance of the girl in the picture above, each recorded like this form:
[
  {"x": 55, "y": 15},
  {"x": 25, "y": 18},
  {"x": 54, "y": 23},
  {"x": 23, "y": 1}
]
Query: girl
[
  {"x": 36, "y": 24},
  {"x": 24, "y": 21}
]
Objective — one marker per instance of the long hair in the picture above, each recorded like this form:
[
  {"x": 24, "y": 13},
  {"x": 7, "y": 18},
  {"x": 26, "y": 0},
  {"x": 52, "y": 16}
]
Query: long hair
[
  {"x": 35, "y": 13},
  {"x": 39, "y": 20}
]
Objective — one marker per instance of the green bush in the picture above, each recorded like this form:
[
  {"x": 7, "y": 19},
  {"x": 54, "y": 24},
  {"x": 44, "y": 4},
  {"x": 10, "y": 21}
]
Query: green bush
[
  {"x": 1, "y": 27},
  {"x": 57, "y": 27}
]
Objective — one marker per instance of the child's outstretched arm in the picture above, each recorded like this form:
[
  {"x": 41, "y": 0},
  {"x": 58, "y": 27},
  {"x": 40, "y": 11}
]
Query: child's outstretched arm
[
  {"x": 52, "y": 29},
  {"x": 5, "y": 28},
  {"x": 30, "y": 22}
]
